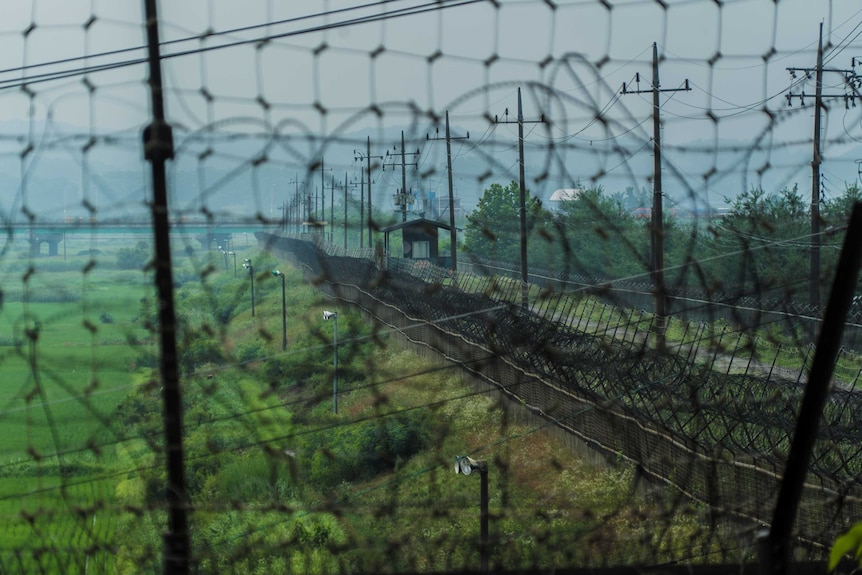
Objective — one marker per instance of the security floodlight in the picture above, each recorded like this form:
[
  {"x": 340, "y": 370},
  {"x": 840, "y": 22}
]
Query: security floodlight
[
  {"x": 246, "y": 260},
  {"x": 329, "y": 314},
  {"x": 466, "y": 465},
  {"x": 277, "y": 273}
]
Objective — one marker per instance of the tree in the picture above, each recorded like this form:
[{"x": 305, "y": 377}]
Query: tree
[
  {"x": 836, "y": 212},
  {"x": 771, "y": 232},
  {"x": 632, "y": 199},
  {"x": 133, "y": 258},
  {"x": 597, "y": 236},
  {"x": 493, "y": 229}
]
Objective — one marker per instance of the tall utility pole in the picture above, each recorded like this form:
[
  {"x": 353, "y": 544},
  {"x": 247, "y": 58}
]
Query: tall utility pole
[
  {"x": 367, "y": 157},
  {"x": 361, "y": 212},
  {"x": 453, "y": 236},
  {"x": 814, "y": 259},
  {"x": 296, "y": 209},
  {"x": 158, "y": 149},
  {"x": 817, "y": 159},
  {"x": 523, "y": 188},
  {"x": 332, "y": 208},
  {"x": 344, "y": 224},
  {"x": 403, "y": 154},
  {"x": 657, "y": 221},
  {"x": 321, "y": 169}
]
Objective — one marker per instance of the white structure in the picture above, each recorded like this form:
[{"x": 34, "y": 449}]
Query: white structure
[{"x": 563, "y": 195}]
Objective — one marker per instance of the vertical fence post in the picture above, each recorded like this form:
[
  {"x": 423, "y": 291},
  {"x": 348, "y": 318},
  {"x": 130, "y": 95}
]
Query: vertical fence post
[
  {"x": 617, "y": 327},
  {"x": 682, "y": 340},
  {"x": 733, "y": 355},
  {"x": 777, "y": 553},
  {"x": 158, "y": 148},
  {"x": 570, "y": 309},
  {"x": 628, "y": 325},
  {"x": 755, "y": 341},
  {"x": 717, "y": 346},
  {"x": 600, "y": 324}
]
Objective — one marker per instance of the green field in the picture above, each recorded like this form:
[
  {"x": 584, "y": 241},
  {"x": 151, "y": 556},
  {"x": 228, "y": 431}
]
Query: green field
[
  {"x": 276, "y": 479},
  {"x": 74, "y": 346},
  {"x": 69, "y": 346}
]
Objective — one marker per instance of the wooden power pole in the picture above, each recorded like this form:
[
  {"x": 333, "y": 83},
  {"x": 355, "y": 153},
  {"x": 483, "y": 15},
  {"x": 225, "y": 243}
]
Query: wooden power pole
[
  {"x": 657, "y": 221},
  {"x": 523, "y": 189},
  {"x": 817, "y": 160},
  {"x": 453, "y": 236}
]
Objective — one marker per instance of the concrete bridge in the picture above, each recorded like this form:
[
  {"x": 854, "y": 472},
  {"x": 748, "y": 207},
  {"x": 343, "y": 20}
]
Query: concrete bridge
[{"x": 53, "y": 234}]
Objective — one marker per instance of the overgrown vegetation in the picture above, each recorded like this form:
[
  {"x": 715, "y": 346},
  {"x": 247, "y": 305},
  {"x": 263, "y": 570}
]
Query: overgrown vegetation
[
  {"x": 603, "y": 235},
  {"x": 277, "y": 481}
]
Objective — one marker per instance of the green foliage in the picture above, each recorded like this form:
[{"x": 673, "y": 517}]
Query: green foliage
[
  {"x": 134, "y": 258},
  {"x": 493, "y": 229},
  {"x": 836, "y": 211},
  {"x": 363, "y": 450},
  {"x": 252, "y": 478},
  {"x": 766, "y": 228},
  {"x": 197, "y": 349},
  {"x": 591, "y": 231},
  {"x": 631, "y": 199},
  {"x": 849, "y": 542},
  {"x": 594, "y": 235}
]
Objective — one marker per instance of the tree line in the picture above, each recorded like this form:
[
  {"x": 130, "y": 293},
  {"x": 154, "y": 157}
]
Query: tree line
[{"x": 760, "y": 243}]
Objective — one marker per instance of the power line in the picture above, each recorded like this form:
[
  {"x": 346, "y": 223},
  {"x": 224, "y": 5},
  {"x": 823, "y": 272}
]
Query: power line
[{"x": 63, "y": 74}]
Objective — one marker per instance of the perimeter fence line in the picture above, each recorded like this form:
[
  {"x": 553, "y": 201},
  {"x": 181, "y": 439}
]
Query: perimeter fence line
[{"x": 711, "y": 417}]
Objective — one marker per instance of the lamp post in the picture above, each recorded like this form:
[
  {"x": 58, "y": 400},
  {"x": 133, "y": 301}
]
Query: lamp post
[
  {"x": 234, "y": 262},
  {"x": 224, "y": 253},
  {"x": 279, "y": 274},
  {"x": 247, "y": 265},
  {"x": 327, "y": 315},
  {"x": 467, "y": 465}
]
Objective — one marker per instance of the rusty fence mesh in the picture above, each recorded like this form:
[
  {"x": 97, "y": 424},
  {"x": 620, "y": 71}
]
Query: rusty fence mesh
[{"x": 580, "y": 249}]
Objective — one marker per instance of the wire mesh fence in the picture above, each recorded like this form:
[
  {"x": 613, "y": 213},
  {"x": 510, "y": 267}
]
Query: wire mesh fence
[{"x": 587, "y": 244}]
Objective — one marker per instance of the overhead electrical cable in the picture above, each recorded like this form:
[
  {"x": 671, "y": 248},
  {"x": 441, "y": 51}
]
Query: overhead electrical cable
[{"x": 63, "y": 74}]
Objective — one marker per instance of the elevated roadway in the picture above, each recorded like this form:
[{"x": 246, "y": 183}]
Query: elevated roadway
[{"x": 51, "y": 234}]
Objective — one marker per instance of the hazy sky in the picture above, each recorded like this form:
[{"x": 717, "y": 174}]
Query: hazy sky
[{"x": 323, "y": 75}]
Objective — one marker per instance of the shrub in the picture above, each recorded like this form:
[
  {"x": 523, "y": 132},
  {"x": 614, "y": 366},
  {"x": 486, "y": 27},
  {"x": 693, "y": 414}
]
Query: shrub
[
  {"x": 364, "y": 450},
  {"x": 133, "y": 258},
  {"x": 252, "y": 478}
]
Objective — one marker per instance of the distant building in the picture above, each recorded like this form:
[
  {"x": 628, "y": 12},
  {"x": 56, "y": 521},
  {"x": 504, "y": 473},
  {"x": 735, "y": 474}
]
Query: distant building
[
  {"x": 437, "y": 207},
  {"x": 563, "y": 195},
  {"x": 419, "y": 239}
]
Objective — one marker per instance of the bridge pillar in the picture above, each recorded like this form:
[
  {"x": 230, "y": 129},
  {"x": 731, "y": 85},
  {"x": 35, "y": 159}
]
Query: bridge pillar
[{"x": 53, "y": 240}]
